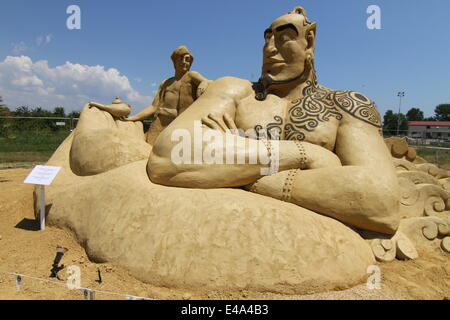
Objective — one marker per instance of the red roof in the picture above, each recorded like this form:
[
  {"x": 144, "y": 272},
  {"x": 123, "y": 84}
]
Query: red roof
[{"x": 430, "y": 123}]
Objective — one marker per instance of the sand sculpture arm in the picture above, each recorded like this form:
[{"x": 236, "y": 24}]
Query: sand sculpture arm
[
  {"x": 117, "y": 110},
  {"x": 197, "y": 78},
  {"x": 152, "y": 109},
  {"x": 221, "y": 98},
  {"x": 145, "y": 114},
  {"x": 200, "y": 82},
  {"x": 363, "y": 192}
]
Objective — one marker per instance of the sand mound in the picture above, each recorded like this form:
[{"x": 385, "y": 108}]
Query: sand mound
[{"x": 25, "y": 250}]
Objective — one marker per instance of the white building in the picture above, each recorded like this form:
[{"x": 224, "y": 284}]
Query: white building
[{"x": 429, "y": 129}]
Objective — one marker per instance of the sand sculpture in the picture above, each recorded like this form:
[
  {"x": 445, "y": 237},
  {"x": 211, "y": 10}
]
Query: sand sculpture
[
  {"x": 106, "y": 133},
  {"x": 175, "y": 94},
  {"x": 341, "y": 199}
]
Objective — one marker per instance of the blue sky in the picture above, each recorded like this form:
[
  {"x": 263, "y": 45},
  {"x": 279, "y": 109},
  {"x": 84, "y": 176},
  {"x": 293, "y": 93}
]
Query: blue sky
[{"x": 123, "y": 48}]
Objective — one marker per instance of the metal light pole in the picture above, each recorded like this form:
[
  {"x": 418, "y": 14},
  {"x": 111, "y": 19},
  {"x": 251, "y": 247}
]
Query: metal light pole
[{"x": 400, "y": 95}]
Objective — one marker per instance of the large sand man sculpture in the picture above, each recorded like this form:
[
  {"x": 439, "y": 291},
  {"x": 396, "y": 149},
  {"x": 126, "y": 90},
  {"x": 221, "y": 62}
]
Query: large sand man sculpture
[
  {"x": 332, "y": 158},
  {"x": 175, "y": 94},
  {"x": 189, "y": 223}
]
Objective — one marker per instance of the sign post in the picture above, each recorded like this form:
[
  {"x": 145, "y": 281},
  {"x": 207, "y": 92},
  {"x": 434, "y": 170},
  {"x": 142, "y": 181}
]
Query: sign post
[
  {"x": 42, "y": 206},
  {"x": 42, "y": 176}
]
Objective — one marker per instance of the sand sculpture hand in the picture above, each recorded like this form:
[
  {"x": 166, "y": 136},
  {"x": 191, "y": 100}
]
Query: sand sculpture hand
[
  {"x": 202, "y": 87},
  {"x": 220, "y": 122},
  {"x": 131, "y": 119}
]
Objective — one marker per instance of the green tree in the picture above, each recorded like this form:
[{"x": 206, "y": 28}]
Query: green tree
[
  {"x": 391, "y": 121},
  {"x": 415, "y": 114},
  {"x": 74, "y": 114},
  {"x": 442, "y": 112},
  {"x": 22, "y": 111},
  {"x": 4, "y": 110},
  {"x": 59, "y": 112},
  {"x": 1, "y": 102},
  {"x": 5, "y": 124},
  {"x": 39, "y": 112}
]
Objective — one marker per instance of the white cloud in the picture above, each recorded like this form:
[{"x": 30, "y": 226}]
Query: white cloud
[
  {"x": 21, "y": 47},
  {"x": 24, "y": 82},
  {"x": 18, "y": 48},
  {"x": 43, "y": 40}
]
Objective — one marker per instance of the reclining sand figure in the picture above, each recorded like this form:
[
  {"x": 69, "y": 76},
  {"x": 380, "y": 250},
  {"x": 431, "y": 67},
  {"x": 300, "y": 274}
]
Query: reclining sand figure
[{"x": 347, "y": 173}]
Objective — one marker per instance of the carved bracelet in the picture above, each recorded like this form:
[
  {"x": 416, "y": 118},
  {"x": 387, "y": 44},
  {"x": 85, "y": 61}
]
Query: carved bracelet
[
  {"x": 303, "y": 160},
  {"x": 268, "y": 145},
  {"x": 288, "y": 185}
]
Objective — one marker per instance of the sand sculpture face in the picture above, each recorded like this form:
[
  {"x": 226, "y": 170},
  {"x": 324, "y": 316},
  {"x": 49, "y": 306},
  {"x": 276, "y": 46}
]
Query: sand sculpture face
[
  {"x": 182, "y": 60},
  {"x": 183, "y": 63},
  {"x": 289, "y": 42}
]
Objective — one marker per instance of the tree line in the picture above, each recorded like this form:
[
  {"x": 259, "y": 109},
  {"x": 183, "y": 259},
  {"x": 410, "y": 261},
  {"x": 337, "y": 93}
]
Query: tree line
[
  {"x": 391, "y": 119},
  {"x": 8, "y": 126},
  {"x": 25, "y": 111}
]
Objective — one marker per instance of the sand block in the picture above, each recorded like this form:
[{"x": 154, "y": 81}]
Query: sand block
[
  {"x": 445, "y": 244},
  {"x": 383, "y": 249},
  {"x": 405, "y": 248}
]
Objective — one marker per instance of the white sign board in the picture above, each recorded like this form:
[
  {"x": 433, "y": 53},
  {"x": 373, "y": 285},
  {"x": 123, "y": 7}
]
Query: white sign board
[{"x": 42, "y": 175}]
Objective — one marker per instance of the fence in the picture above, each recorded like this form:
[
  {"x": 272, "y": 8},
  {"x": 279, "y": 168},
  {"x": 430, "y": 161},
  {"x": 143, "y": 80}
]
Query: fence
[
  {"x": 85, "y": 293},
  {"x": 436, "y": 155},
  {"x": 395, "y": 133},
  {"x": 435, "y": 150},
  {"x": 27, "y": 141}
]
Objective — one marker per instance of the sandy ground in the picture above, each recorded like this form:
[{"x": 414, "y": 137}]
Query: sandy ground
[{"x": 25, "y": 250}]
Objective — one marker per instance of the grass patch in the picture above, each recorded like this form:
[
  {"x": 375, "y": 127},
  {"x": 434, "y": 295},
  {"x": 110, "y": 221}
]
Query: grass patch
[
  {"x": 32, "y": 141},
  {"x": 30, "y": 146},
  {"x": 25, "y": 157},
  {"x": 439, "y": 157}
]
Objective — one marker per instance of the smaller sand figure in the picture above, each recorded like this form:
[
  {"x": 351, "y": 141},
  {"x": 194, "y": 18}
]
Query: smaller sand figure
[{"x": 175, "y": 94}]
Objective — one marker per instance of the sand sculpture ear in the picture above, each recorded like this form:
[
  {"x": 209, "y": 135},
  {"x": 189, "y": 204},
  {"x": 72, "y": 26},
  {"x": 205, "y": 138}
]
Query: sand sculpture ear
[{"x": 311, "y": 36}]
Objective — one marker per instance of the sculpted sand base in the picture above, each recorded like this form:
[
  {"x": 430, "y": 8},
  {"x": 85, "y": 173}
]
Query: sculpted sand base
[
  {"x": 221, "y": 238},
  {"x": 183, "y": 225}
]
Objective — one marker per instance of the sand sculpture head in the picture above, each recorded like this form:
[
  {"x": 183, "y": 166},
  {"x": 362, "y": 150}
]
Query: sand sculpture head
[
  {"x": 288, "y": 53},
  {"x": 182, "y": 59}
]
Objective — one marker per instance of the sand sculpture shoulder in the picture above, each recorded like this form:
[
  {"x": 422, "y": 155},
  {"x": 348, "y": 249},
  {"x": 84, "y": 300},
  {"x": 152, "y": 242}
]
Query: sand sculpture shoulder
[
  {"x": 358, "y": 106},
  {"x": 323, "y": 107}
]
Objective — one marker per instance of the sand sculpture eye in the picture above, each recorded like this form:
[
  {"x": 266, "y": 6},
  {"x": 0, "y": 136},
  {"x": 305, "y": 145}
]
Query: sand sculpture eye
[{"x": 287, "y": 35}]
